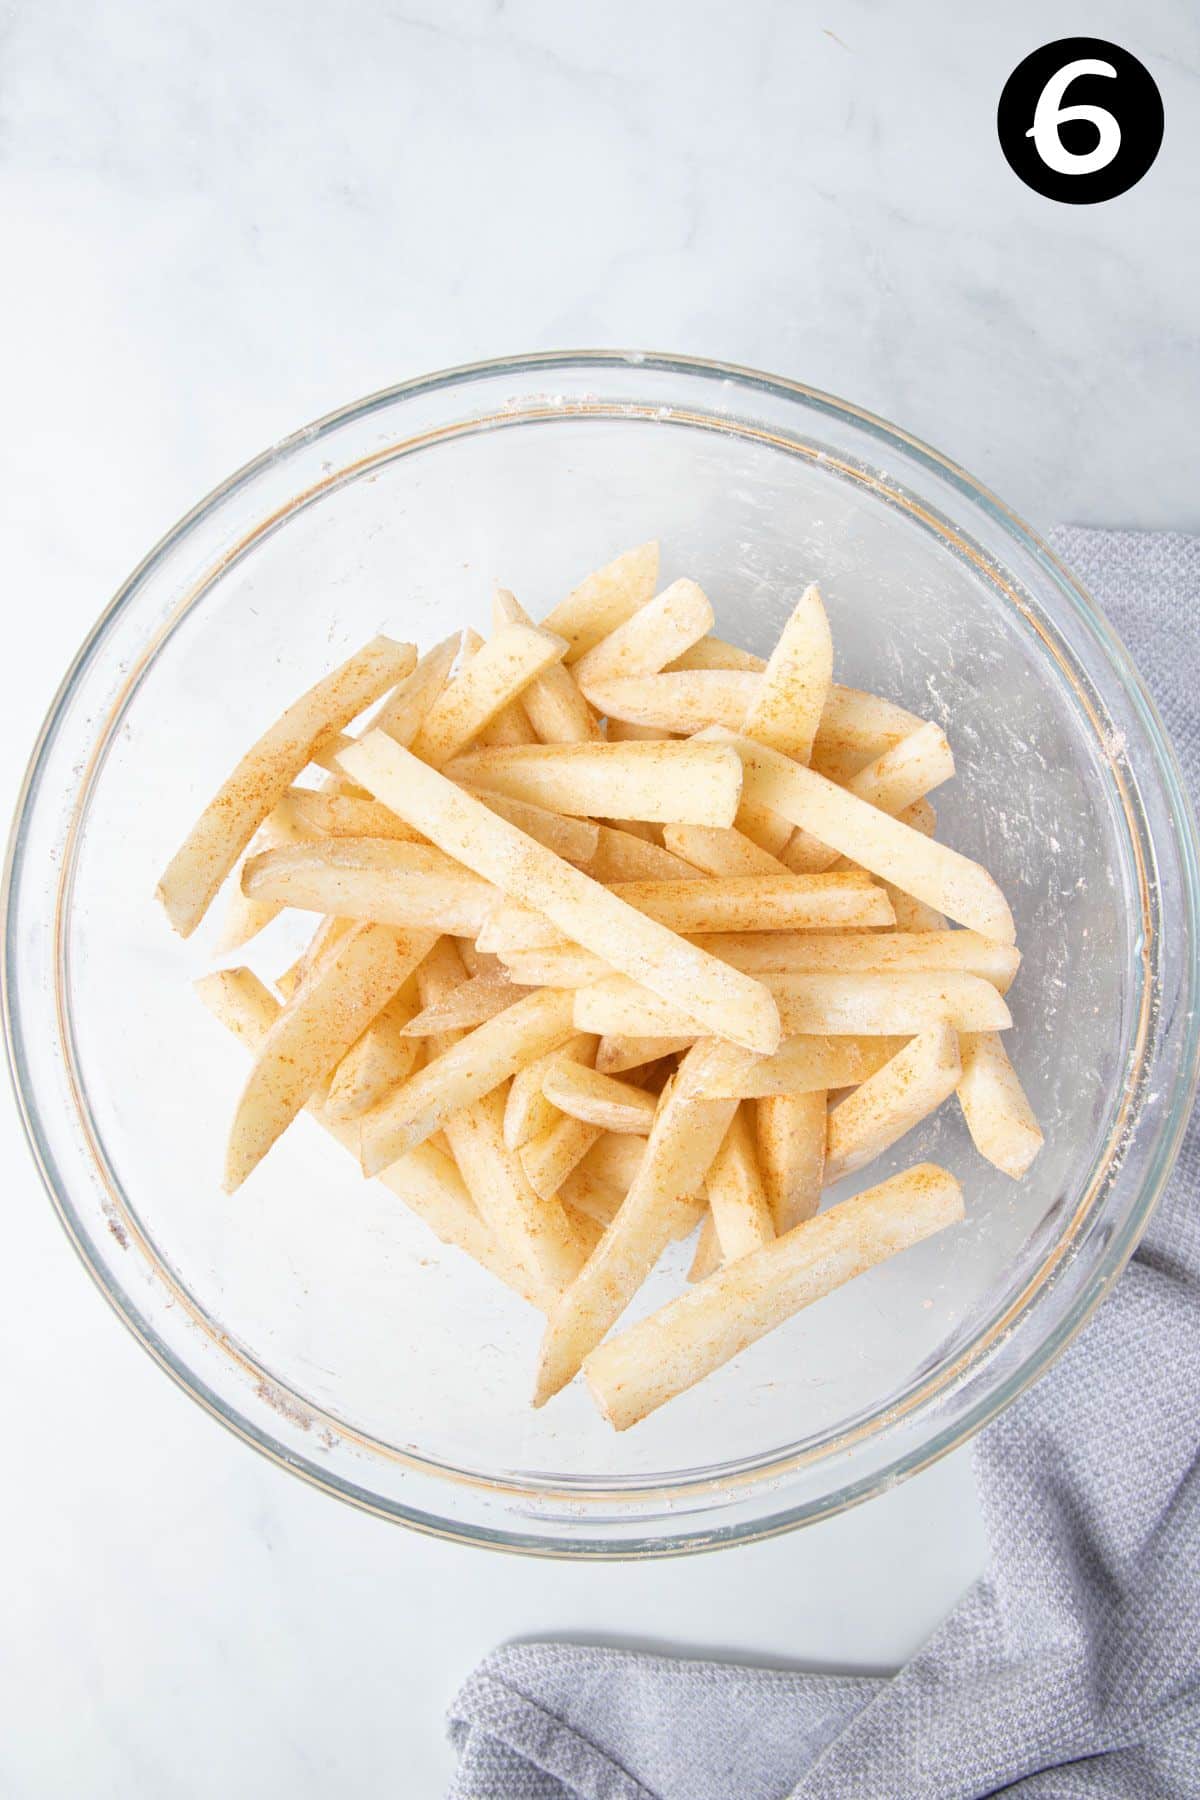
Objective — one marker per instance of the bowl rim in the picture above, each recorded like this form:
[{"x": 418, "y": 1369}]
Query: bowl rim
[{"x": 1165, "y": 1144}]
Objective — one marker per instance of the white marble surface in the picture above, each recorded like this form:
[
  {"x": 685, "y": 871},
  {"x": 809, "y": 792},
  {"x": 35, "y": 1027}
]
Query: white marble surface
[{"x": 222, "y": 220}]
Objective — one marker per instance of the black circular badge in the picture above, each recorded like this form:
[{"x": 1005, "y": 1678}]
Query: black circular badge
[{"x": 1080, "y": 120}]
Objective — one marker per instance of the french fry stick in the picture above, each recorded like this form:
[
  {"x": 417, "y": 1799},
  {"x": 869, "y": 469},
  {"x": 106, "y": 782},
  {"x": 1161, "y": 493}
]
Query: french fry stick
[
  {"x": 615, "y": 1158},
  {"x": 650, "y": 638},
  {"x": 333, "y": 815},
  {"x": 797, "y": 952},
  {"x": 893, "y": 1100},
  {"x": 605, "y": 600},
  {"x": 807, "y": 952},
  {"x": 720, "y": 850},
  {"x": 412, "y": 885},
  {"x": 470, "y": 644},
  {"x": 562, "y": 966},
  {"x": 805, "y": 1065},
  {"x": 511, "y": 925},
  {"x": 477, "y": 962},
  {"x": 913, "y": 915},
  {"x": 325, "y": 753},
  {"x": 721, "y": 998},
  {"x": 575, "y": 840},
  {"x": 527, "y": 1112},
  {"x": 695, "y": 783},
  {"x": 265, "y": 773},
  {"x": 870, "y": 1004},
  {"x": 921, "y": 816},
  {"x": 687, "y": 1135},
  {"x": 376, "y": 1062},
  {"x": 617, "y": 1053},
  {"x": 553, "y": 704},
  {"x": 622, "y": 857},
  {"x": 496, "y": 675},
  {"x": 427, "y": 1181},
  {"x": 639, "y": 828},
  {"x": 587, "y": 1230},
  {"x": 548, "y": 1159},
  {"x": 737, "y": 1197},
  {"x": 685, "y": 701},
  {"x": 533, "y": 1228},
  {"x": 853, "y": 724},
  {"x": 598, "y": 1099},
  {"x": 890, "y": 1003},
  {"x": 790, "y": 1140},
  {"x": 620, "y": 731},
  {"x": 472, "y": 1003},
  {"x": 896, "y": 782},
  {"x": 718, "y": 905},
  {"x": 597, "y": 1199},
  {"x": 998, "y": 1114},
  {"x": 862, "y": 724},
  {"x": 329, "y": 1010},
  {"x": 509, "y": 727},
  {"x": 326, "y": 935},
  {"x": 907, "y": 772},
  {"x": 708, "y": 1250},
  {"x": 754, "y": 903},
  {"x": 895, "y": 852},
  {"x": 511, "y": 724},
  {"x": 714, "y": 907},
  {"x": 517, "y": 1213},
  {"x": 764, "y": 828},
  {"x": 244, "y": 918},
  {"x": 463, "y": 1073},
  {"x": 794, "y": 687},
  {"x": 715, "y": 653},
  {"x": 618, "y": 1007},
  {"x": 685, "y": 1340},
  {"x": 403, "y": 712}
]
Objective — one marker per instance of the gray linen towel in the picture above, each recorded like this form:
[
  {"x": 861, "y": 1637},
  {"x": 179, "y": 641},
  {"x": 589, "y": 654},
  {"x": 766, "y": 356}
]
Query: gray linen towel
[{"x": 1073, "y": 1669}]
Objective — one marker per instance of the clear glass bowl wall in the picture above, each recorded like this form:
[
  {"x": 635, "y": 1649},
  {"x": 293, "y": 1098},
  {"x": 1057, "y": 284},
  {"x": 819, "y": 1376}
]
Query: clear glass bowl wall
[{"x": 310, "y": 1312}]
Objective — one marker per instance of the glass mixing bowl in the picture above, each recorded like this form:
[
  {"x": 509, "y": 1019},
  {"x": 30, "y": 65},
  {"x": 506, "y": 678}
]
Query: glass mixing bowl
[{"x": 310, "y": 1312}]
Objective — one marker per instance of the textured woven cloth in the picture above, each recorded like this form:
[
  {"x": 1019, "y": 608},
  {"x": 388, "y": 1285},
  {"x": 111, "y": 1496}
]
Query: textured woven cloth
[{"x": 1072, "y": 1671}]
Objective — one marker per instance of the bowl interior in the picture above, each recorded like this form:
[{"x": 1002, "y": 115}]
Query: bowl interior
[{"x": 339, "y": 1305}]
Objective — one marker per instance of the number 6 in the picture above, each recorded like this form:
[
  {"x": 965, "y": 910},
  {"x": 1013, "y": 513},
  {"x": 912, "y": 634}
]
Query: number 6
[{"x": 1050, "y": 113}]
